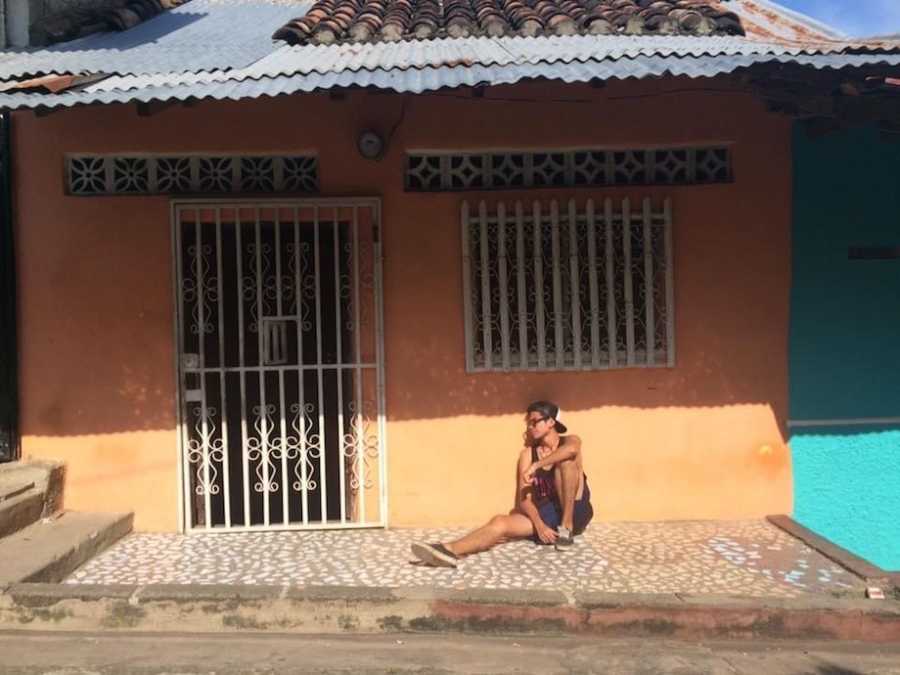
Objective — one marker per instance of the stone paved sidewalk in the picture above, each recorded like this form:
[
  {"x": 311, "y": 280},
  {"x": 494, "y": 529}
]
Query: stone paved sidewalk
[{"x": 741, "y": 558}]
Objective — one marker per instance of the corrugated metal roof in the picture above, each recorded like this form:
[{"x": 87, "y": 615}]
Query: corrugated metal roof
[
  {"x": 220, "y": 49},
  {"x": 202, "y": 35},
  {"x": 210, "y": 35},
  {"x": 484, "y": 51},
  {"x": 465, "y": 52},
  {"x": 223, "y": 86}
]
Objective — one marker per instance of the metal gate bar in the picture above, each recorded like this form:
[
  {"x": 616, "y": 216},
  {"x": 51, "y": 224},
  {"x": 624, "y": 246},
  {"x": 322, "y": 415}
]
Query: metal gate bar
[
  {"x": 220, "y": 296},
  {"x": 221, "y": 449},
  {"x": 339, "y": 356},
  {"x": 323, "y": 492}
]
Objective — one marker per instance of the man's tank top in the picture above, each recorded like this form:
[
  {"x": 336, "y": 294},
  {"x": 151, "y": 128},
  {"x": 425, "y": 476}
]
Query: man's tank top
[{"x": 544, "y": 485}]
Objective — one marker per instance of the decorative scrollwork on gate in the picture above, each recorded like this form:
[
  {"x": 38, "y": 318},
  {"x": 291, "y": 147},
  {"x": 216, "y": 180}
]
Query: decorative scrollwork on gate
[
  {"x": 260, "y": 448},
  {"x": 360, "y": 446},
  {"x": 366, "y": 257},
  {"x": 290, "y": 282},
  {"x": 250, "y": 284},
  {"x": 204, "y": 449},
  {"x": 346, "y": 289},
  {"x": 308, "y": 288},
  {"x": 308, "y": 446},
  {"x": 301, "y": 447},
  {"x": 201, "y": 290}
]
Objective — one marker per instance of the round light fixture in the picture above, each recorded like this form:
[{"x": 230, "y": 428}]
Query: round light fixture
[{"x": 370, "y": 144}]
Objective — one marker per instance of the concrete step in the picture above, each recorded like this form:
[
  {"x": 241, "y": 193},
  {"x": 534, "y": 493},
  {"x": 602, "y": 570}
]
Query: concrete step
[
  {"x": 50, "y": 550},
  {"x": 29, "y": 491},
  {"x": 10, "y": 489},
  {"x": 21, "y": 510},
  {"x": 17, "y": 477}
]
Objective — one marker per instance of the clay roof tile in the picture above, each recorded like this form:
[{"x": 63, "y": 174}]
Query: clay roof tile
[{"x": 362, "y": 20}]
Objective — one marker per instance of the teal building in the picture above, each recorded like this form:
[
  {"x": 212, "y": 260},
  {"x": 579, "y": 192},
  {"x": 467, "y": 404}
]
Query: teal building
[{"x": 845, "y": 341}]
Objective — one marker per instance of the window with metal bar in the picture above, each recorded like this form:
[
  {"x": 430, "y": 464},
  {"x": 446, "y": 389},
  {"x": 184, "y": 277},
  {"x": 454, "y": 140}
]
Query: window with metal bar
[{"x": 567, "y": 286}]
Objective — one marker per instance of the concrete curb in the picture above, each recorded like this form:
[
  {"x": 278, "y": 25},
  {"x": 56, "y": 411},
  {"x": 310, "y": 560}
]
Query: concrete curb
[
  {"x": 330, "y": 610},
  {"x": 871, "y": 574}
]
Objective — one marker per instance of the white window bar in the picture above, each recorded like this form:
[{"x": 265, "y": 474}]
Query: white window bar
[
  {"x": 504, "y": 298},
  {"x": 467, "y": 285},
  {"x": 576, "y": 287},
  {"x": 670, "y": 284},
  {"x": 339, "y": 375},
  {"x": 579, "y": 286},
  {"x": 594, "y": 287},
  {"x": 539, "y": 287},
  {"x": 226, "y": 473},
  {"x": 201, "y": 335},
  {"x": 245, "y": 464},
  {"x": 301, "y": 409},
  {"x": 282, "y": 413},
  {"x": 379, "y": 350},
  {"x": 649, "y": 318},
  {"x": 358, "y": 421},
  {"x": 629, "y": 290},
  {"x": 485, "y": 287},
  {"x": 611, "y": 326},
  {"x": 557, "y": 287},
  {"x": 323, "y": 483},
  {"x": 263, "y": 417},
  {"x": 520, "y": 286}
]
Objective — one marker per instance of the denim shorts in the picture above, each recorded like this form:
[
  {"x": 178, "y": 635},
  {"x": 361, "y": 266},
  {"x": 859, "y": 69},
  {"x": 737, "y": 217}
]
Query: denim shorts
[{"x": 551, "y": 513}]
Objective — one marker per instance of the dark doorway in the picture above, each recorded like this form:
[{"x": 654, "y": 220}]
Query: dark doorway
[{"x": 9, "y": 394}]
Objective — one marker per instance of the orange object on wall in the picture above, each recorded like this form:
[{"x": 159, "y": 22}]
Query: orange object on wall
[{"x": 702, "y": 440}]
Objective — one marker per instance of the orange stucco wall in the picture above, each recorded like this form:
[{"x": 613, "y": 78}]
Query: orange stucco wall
[{"x": 702, "y": 440}]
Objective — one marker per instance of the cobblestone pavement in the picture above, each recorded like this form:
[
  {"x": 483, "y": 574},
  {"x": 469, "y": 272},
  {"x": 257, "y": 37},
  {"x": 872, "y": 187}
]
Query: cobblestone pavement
[{"x": 741, "y": 558}]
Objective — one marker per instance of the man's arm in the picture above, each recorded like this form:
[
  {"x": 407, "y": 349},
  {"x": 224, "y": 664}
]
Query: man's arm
[
  {"x": 564, "y": 452},
  {"x": 525, "y": 501}
]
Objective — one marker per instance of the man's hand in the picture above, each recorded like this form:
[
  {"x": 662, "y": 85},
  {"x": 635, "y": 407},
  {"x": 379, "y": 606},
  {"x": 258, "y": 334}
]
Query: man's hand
[{"x": 545, "y": 534}]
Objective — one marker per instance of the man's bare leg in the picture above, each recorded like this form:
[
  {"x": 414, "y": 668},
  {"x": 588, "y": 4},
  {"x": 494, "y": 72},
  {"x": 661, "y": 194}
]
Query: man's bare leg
[
  {"x": 568, "y": 484},
  {"x": 497, "y": 529}
]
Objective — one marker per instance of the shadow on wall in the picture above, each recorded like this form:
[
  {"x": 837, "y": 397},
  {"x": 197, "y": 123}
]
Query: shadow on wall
[
  {"x": 134, "y": 401},
  {"x": 430, "y": 382},
  {"x": 429, "y": 385},
  {"x": 861, "y": 511}
]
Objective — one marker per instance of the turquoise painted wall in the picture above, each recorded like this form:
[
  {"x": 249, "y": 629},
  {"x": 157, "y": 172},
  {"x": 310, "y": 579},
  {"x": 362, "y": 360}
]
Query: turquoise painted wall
[{"x": 845, "y": 341}]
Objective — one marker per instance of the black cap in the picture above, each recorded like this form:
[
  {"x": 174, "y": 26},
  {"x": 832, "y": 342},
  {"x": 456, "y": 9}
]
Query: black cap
[{"x": 549, "y": 409}]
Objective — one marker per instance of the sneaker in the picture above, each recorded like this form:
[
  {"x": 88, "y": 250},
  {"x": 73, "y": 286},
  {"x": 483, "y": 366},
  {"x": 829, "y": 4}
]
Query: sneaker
[
  {"x": 564, "y": 540},
  {"x": 436, "y": 555}
]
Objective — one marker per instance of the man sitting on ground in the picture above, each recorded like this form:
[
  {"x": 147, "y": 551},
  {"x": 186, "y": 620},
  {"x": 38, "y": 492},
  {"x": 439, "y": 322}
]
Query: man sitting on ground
[{"x": 552, "y": 496}]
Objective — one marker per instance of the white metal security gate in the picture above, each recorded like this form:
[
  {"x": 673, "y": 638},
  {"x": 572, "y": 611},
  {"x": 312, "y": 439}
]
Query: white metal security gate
[{"x": 281, "y": 383}]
